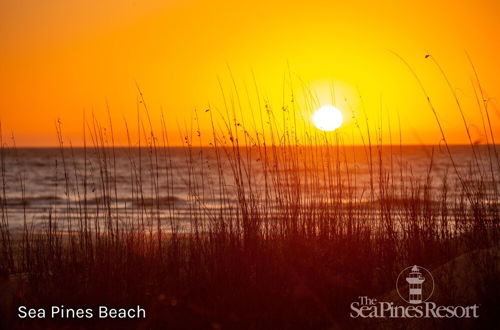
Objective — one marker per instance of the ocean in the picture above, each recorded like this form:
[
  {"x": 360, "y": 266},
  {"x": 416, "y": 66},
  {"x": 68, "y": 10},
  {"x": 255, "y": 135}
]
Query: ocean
[{"x": 173, "y": 187}]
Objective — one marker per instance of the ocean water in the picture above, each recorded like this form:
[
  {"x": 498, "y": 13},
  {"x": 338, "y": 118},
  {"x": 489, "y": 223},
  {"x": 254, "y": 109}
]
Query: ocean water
[{"x": 175, "y": 186}]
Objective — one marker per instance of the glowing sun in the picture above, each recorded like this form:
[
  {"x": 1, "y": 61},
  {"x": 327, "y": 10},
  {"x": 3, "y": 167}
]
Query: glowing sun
[{"x": 327, "y": 118}]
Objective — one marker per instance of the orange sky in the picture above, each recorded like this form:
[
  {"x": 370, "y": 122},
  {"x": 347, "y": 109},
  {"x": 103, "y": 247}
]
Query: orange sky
[{"x": 59, "y": 57}]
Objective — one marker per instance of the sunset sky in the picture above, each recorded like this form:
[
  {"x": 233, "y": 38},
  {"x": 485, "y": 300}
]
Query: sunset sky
[{"x": 61, "y": 57}]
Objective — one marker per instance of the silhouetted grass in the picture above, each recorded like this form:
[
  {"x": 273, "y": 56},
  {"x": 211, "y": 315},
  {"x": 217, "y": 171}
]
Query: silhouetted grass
[{"x": 304, "y": 224}]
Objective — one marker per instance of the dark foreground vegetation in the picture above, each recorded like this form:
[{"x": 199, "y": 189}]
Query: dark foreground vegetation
[{"x": 302, "y": 229}]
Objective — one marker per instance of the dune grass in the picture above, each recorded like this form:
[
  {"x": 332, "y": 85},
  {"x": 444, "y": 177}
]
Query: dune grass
[{"x": 304, "y": 223}]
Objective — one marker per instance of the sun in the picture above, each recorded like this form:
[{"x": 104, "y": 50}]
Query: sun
[{"x": 327, "y": 118}]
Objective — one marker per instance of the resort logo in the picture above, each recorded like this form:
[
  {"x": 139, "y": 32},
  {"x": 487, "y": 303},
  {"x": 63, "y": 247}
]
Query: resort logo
[
  {"x": 415, "y": 276},
  {"x": 420, "y": 287}
]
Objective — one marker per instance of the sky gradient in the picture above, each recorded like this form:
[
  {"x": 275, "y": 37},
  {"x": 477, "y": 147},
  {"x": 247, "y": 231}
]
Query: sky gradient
[{"x": 59, "y": 58}]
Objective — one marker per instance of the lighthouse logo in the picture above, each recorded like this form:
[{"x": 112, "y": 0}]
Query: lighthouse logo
[
  {"x": 420, "y": 284},
  {"x": 415, "y": 285}
]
